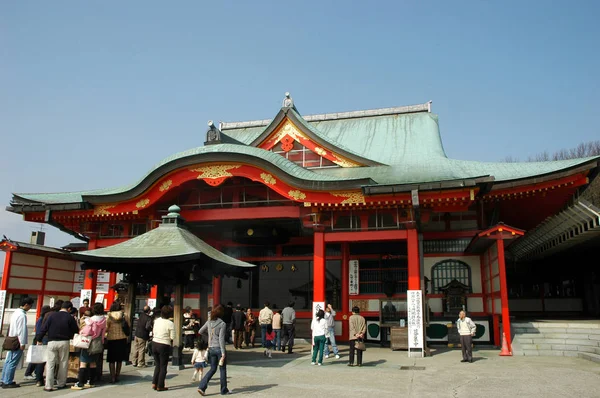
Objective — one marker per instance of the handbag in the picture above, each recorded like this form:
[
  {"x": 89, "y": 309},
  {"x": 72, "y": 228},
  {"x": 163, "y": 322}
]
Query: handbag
[
  {"x": 96, "y": 346},
  {"x": 11, "y": 343},
  {"x": 81, "y": 341},
  {"x": 125, "y": 326},
  {"x": 360, "y": 345},
  {"x": 37, "y": 354}
]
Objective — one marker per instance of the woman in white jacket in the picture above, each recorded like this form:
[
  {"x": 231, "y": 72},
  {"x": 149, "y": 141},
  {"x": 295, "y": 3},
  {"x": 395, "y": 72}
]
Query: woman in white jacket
[{"x": 319, "y": 330}]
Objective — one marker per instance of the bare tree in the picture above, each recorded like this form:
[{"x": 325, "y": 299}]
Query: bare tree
[{"x": 583, "y": 150}]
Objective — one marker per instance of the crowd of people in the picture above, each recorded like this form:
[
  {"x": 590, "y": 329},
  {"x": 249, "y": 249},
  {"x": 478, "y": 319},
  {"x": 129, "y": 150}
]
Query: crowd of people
[{"x": 155, "y": 334}]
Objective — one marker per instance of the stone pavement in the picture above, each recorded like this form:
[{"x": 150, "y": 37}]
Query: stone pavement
[{"x": 441, "y": 375}]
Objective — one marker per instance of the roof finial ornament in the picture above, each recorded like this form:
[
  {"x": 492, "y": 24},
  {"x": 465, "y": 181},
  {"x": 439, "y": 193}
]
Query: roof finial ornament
[
  {"x": 288, "y": 101},
  {"x": 213, "y": 135}
]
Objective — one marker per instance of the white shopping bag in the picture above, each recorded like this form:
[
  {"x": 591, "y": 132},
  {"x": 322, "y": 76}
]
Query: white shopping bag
[{"x": 37, "y": 354}]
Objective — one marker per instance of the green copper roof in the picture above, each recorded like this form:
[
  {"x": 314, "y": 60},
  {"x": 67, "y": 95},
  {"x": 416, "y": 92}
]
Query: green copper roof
[
  {"x": 406, "y": 141},
  {"x": 167, "y": 243}
]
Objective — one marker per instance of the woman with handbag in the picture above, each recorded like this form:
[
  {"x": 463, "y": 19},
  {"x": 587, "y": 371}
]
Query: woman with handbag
[
  {"x": 163, "y": 334},
  {"x": 358, "y": 328},
  {"x": 94, "y": 327},
  {"x": 116, "y": 326}
]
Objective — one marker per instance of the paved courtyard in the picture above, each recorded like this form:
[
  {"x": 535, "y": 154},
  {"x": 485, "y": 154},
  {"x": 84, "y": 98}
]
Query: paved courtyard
[{"x": 441, "y": 375}]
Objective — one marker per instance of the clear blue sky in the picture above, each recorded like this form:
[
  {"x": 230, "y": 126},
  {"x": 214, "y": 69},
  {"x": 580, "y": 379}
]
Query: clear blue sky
[{"x": 92, "y": 94}]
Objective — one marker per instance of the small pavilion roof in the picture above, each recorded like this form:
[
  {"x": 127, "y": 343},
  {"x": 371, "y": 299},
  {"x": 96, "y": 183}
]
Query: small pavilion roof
[
  {"x": 170, "y": 244},
  {"x": 484, "y": 239}
]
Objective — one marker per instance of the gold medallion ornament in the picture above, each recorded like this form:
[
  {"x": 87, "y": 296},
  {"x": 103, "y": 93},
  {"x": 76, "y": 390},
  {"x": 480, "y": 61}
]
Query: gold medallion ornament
[
  {"x": 264, "y": 268},
  {"x": 142, "y": 203},
  {"x": 268, "y": 178},
  {"x": 102, "y": 210},
  {"x": 279, "y": 267},
  {"x": 297, "y": 195},
  {"x": 165, "y": 185},
  {"x": 351, "y": 197},
  {"x": 216, "y": 171},
  {"x": 294, "y": 268}
]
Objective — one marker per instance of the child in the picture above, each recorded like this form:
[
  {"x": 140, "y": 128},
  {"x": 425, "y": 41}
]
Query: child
[
  {"x": 199, "y": 358},
  {"x": 270, "y": 343}
]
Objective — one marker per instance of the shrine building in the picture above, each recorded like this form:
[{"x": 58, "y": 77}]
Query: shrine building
[{"x": 351, "y": 208}]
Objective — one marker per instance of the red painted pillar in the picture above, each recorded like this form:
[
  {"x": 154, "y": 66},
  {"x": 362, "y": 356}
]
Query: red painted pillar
[
  {"x": 216, "y": 285},
  {"x": 319, "y": 267},
  {"x": 40, "y": 302},
  {"x": 345, "y": 310},
  {"x": 110, "y": 298},
  {"x": 90, "y": 280},
  {"x": 154, "y": 292},
  {"x": 6, "y": 275},
  {"x": 504, "y": 294},
  {"x": 414, "y": 265}
]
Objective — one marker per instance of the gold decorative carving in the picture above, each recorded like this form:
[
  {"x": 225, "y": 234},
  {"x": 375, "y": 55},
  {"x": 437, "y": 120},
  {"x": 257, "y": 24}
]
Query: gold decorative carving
[
  {"x": 343, "y": 162},
  {"x": 165, "y": 185},
  {"x": 351, "y": 197},
  {"x": 320, "y": 151},
  {"x": 268, "y": 178},
  {"x": 216, "y": 171},
  {"x": 290, "y": 129},
  {"x": 102, "y": 210},
  {"x": 298, "y": 195},
  {"x": 142, "y": 203}
]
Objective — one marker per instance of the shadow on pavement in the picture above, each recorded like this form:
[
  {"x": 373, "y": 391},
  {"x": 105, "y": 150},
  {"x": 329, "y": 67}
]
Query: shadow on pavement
[{"x": 254, "y": 388}]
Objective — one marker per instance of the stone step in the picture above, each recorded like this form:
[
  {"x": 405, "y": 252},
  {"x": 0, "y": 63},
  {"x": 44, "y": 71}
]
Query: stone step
[
  {"x": 572, "y": 325},
  {"x": 589, "y": 356}
]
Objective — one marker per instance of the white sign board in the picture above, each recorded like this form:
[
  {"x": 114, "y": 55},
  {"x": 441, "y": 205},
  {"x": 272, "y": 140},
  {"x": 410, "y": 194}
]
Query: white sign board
[
  {"x": 151, "y": 303},
  {"x": 415, "y": 320},
  {"x": 317, "y": 305},
  {"x": 103, "y": 277},
  {"x": 85, "y": 294},
  {"x": 353, "y": 279},
  {"x": 2, "y": 305},
  {"x": 99, "y": 298},
  {"x": 102, "y": 287}
]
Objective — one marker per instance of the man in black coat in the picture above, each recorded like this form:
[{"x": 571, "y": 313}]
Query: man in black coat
[
  {"x": 227, "y": 319},
  {"x": 238, "y": 319},
  {"x": 142, "y": 335}
]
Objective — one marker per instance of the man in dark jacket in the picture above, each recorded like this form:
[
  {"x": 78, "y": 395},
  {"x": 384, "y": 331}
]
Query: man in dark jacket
[
  {"x": 60, "y": 328},
  {"x": 227, "y": 319},
  {"x": 238, "y": 320},
  {"x": 142, "y": 335}
]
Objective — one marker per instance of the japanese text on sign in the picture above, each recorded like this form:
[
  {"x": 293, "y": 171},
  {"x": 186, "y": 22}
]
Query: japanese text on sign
[
  {"x": 415, "y": 319},
  {"x": 353, "y": 279}
]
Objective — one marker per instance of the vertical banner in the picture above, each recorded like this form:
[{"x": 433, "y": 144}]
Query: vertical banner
[
  {"x": 415, "y": 321},
  {"x": 2, "y": 305},
  {"x": 151, "y": 302},
  {"x": 316, "y": 306},
  {"x": 353, "y": 279},
  {"x": 85, "y": 294}
]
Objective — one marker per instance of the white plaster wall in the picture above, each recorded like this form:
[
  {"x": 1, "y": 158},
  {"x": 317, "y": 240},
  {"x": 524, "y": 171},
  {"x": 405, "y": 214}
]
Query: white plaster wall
[
  {"x": 475, "y": 304},
  {"x": 28, "y": 259}
]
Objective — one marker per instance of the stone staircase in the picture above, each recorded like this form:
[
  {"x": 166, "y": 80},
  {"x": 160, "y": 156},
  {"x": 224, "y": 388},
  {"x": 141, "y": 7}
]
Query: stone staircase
[{"x": 557, "y": 338}]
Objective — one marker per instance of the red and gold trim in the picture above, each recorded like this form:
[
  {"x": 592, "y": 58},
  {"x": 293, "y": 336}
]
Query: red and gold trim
[{"x": 287, "y": 133}]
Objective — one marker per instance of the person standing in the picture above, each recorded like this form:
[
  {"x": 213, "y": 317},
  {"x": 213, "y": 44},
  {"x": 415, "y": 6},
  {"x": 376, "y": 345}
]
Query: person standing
[
  {"x": 250, "y": 326},
  {"x": 358, "y": 328},
  {"x": 163, "y": 334},
  {"x": 319, "y": 328},
  {"x": 277, "y": 329},
  {"x": 228, "y": 313},
  {"x": 60, "y": 327},
  {"x": 116, "y": 350},
  {"x": 39, "y": 367},
  {"x": 330, "y": 318},
  {"x": 466, "y": 329},
  {"x": 265, "y": 319},
  {"x": 238, "y": 320},
  {"x": 18, "y": 329},
  {"x": 288, "y": 320},
  {"x": 85, "y": 307},
  {"x": 188, "y": 328},
  {"x": 95, "y": 328},
  {"x": 215, "y": 330},
  {"x": 142, "y": 335}
]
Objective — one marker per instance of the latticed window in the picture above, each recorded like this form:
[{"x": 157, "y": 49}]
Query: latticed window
[{"x": 446, "y": 271}]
